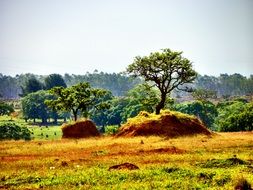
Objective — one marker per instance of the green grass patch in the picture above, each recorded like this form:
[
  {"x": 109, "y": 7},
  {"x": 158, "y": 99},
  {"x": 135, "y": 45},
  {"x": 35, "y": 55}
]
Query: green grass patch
[{"x": 46, "y": 132}]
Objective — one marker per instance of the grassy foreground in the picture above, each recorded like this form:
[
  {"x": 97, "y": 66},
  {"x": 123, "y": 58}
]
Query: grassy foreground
[{"x": 182, "y": 163}]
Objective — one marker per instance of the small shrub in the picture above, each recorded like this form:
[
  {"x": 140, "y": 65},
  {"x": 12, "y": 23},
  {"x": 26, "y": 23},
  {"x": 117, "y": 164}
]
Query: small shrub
[
  {"x": 112, "y": 129},
  {"x": 6, "y": 109},
  {"x": 11, "y": 130},
  {"x": 170, "y": 170}
]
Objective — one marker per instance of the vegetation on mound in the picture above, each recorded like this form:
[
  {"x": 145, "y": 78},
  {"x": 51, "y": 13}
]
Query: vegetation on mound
[
  {"x": 167, "y": 123},
  {"x": 145, "y": 116},
  {"x": 79, "y": 129},
  {"x": 11, "y": 130}
]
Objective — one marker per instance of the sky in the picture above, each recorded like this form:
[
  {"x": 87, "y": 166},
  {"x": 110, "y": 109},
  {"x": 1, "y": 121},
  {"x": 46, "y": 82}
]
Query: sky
[{"x": 79, "y": 36}]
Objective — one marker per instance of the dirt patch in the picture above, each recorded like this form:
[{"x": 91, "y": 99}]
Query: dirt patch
[
  {"x": 168, "y": 123},
  {"x": 124, "y": 166},
  {"x": 80, "y": 129}
]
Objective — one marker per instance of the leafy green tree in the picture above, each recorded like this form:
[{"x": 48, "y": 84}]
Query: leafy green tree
[
  {"x": 168, "y": 70},
  {"x": 31, "y": 85},
  {"x": 145, "y": 95},
  {"x": 33, "y": 106},
  {"x": 206, "y": 111},
  {"x": 5, "y": 109},
  {"x": 99, "y": 113},
  {"x": 78, "y": 98},
  {"x": 114, "y": 113},
  {"x": 54, "y": 80},
  {"x": 141, "y": 98},
  {"x": 235, "y": 116},
  {"x": 203, "y": 94}
]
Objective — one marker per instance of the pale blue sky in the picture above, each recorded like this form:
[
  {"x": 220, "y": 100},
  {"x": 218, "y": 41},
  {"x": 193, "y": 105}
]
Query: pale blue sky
[{"x": 76, "y": 36}]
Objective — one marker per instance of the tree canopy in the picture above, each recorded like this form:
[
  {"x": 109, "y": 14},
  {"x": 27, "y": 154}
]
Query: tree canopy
[
  {"x": 31, "y": 85},
  {"x": 54, "y": 80},
  {"x": 168, "y": 70},
  {"x": 203, "y": 94},
  {"x": 33, "y": 106},
  {"x": 78, "y": 98}
]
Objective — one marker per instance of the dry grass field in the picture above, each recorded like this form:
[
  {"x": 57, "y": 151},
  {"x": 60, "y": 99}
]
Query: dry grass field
[{"x": 197, "y": 162}]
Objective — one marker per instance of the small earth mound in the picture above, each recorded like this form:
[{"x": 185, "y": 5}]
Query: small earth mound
[
  {"x": 223, "y": 163},
  {"x": 172, "y": 150},
  {"x": 124, "y": 166},
  {"x": 243, "y": 184},
  {"x": 167, "y": 123},
  {"x": 80, "y": 129}
]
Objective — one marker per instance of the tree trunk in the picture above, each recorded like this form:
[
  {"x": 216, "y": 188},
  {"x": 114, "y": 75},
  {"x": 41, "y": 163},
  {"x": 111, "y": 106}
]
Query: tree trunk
[
  {"x": 75, "y": 114},
  {"x": 44, "y": 120},
  {"x": 55, "y": 120},
  {"x": 161, "y": 104}
]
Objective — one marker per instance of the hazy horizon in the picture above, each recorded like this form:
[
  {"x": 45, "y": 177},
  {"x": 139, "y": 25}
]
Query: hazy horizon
[
  {"x": 91, "y": 72},
  {"x": 75, "y": 37}
]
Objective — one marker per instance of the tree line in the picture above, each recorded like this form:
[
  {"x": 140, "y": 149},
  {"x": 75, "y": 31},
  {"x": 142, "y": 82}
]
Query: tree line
[
  {"x": 14, "y": 87},
  {"x": 119, "y": 84}
]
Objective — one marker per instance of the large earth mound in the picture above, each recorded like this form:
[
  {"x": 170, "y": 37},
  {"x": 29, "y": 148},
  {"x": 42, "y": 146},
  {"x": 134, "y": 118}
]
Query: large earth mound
[
  {"x": 80, "y": 129},
  {"x": 167, "y": 123}
]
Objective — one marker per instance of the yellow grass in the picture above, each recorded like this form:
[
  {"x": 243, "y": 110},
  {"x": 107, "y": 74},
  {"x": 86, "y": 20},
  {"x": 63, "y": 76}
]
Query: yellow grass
[
  {"x": 21, "y": 159},
  {"x": 144, "y": 116}
]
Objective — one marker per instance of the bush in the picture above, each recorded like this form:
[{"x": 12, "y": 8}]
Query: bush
[
  {"x": 10, "y": 130},
  {"x": 236, "y": 117},
  {"x": 111, "y": 129},
  {"x": 6, "y": 109},
  {"x": 206, "y": 111}
]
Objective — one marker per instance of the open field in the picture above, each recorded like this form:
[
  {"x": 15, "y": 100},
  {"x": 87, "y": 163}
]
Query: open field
[{"x": 197, "y": 162}]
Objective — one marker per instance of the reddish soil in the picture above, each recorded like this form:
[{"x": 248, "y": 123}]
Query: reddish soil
[
  {"x": 167, "y": 125},
  {"x": 80, "y": 129}
]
